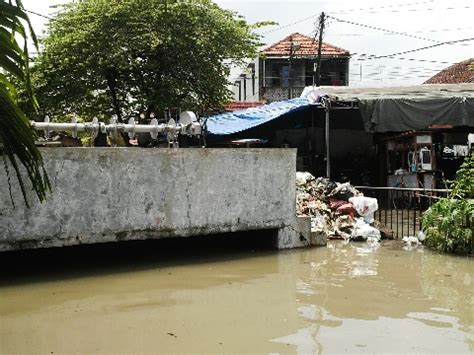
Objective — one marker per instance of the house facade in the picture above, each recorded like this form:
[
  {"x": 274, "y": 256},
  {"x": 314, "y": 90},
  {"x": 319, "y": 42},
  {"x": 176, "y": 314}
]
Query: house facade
[
  {"x": 244, "y": 82},
  {"x": 285, "y": 68},
  {"x": 289, "y": 65}
]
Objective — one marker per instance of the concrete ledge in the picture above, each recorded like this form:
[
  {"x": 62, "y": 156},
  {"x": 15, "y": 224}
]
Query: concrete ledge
[{"x": 116, "y": 194}]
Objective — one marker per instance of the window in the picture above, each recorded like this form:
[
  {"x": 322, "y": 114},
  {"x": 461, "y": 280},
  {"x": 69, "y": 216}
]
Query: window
[{"x": 277, "y": 73}]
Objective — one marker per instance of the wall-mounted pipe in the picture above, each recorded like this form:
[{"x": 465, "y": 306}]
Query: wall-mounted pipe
[{"x": 187, "y": 125}]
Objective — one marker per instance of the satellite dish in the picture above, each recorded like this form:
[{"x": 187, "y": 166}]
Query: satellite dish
[
  {"x": 187, "y": 117},
  {"x": 46, "y": 131},
  {"x": 95, "y": 132},
  {"x": 170, "y": 135},
  {"x": 154, "y": 133},
  {"x": 74, "y": 121},
  {"x": 131, "y": 122}
]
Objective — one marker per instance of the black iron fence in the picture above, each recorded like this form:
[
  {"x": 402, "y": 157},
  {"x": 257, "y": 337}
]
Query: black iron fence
[{"x": 400, "y": 209}]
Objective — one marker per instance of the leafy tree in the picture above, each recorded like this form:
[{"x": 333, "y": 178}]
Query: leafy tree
[
  {"x": 448, "y": 224},
  {"x": 16, "y": 137},
  {"x": 104, "y": 57}
]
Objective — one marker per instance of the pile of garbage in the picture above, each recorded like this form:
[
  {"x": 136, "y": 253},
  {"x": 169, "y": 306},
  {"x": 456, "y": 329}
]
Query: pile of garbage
[{"x": 338, "y": 210}]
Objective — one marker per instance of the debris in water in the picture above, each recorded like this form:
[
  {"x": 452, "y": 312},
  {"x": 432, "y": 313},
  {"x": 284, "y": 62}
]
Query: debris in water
[
  {"x": 421, "y": 236},
  {"x": 410, "y": 242}
]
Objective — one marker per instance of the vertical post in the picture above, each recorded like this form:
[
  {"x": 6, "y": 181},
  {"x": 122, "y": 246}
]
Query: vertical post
[
  {"x": 289, "y": 69},
  {"x": 294, "y": 46},
  {"x": 311, "y": 161},
  {"x": 320, "y": 42},
  {"x": 328, "y": 155}
]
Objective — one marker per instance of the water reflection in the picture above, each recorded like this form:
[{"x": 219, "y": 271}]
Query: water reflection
[
  {"x": 372, "y": 298},
  {"x": 344, "y": 298}
]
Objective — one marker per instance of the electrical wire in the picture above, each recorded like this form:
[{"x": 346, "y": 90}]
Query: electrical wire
[
  {"x": 403, "y": 58},
  {"x": 38, "y": 14},
  {"x": 445, "y": 30},
  {"x": 380, "y": 7},
  {"x": 398, "y": 6},
  {"x": 413, "y": 10},
  {"x": 424, "y": 31},
  {"x": 406, "y": 34},
  {"x": 362, "y": 9},
  {"x": 372, "y": 57},
  {"x": 290, "y": 24}
]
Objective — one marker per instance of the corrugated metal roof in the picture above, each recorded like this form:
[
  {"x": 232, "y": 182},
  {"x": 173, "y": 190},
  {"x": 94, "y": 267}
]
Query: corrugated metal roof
[
  {"x": 308, "y": 47},
  {"x": 238, "y": 121},
  {"x": 418, "y": 92}
]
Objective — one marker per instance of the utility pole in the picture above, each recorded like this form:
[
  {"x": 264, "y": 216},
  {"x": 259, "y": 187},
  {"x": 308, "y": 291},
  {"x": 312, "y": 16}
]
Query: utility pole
[
  {"x": 290, "y": 59},
  {"x": 322, "y": 18},
  {"x": 294, "y": 46}
]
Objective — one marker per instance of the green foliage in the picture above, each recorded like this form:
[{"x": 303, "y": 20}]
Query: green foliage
[
  {"x": 104, "y": 57},
  {"x": 16, "y": 136},
  {"x": 448, "y": 224}
]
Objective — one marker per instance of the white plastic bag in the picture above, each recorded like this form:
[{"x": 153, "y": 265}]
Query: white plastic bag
[
  {"x": 365, "y": 207},
  {"x": 303, "y": 177},
  {"x": 363, "y": 231}
]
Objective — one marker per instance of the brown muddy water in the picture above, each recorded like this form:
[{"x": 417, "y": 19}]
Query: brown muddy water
[{"x": 165, "y": 298}]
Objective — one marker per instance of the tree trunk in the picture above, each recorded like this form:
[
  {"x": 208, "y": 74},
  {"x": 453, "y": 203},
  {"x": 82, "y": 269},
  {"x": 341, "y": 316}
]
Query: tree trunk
[{"x": 111, "y": 76}]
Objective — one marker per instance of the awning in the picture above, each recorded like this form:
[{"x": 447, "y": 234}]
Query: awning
[
  {"x": 397, "y": 109},
  {"x": 391, "y": 109},
  {"x": 238, "y": 121}
]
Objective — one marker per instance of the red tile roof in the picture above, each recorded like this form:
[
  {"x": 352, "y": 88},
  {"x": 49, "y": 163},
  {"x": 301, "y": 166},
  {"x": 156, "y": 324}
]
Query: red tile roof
[
  {"x": 455, "y": 74},
  {"x": 308, "y": 47}
]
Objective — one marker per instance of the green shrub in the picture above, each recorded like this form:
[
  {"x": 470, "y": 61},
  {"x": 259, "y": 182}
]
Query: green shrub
[{"x": 448, "y": 224}]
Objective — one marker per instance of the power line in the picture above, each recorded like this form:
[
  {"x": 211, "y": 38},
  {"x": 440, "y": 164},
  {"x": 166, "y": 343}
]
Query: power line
[
  {"x": 403, "y": 58},
  {"x": 367, "y": 11},
  {"x": 380, "y": 7},
  {"x": 372, "y": 56},
  {"x": 290, "y": 24},
  {"x": 445, "y": 30},
  {"x": 381, "y": 29},
  {"x": 38, "y": 14},
  {"x": 424, "y": 31},
  {"x": 412, "y": 10}
]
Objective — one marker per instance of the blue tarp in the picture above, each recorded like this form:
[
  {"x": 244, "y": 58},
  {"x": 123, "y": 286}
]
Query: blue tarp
[{"x": 238, "y": 121}]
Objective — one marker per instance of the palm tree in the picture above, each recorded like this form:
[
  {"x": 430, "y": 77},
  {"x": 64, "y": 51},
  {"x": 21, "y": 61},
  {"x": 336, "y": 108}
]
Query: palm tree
[{"x": 16, "y": 137}]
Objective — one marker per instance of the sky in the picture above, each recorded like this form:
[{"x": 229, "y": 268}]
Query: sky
[{"x": 371, "y": 27}]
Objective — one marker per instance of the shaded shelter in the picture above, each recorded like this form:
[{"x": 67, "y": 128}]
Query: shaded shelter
[{"x": 360, "y": 121}]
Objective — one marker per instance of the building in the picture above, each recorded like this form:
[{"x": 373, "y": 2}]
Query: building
[
  {"x": 289, "y": 65},
  {"x": 244, "y": 83},
  {"x": 268, "y": 78},
  {"x": 455, "y": 74}
]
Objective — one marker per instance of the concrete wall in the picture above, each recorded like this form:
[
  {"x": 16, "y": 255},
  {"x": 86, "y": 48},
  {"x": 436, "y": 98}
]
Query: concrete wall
[{"x": 115, "y": 194}]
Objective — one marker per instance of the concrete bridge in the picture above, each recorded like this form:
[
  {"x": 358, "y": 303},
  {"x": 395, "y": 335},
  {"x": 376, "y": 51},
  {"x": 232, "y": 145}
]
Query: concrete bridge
[{"x": 116, "y": 194}]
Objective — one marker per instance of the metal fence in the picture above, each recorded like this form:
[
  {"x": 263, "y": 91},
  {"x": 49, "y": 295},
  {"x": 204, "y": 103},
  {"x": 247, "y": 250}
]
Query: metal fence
[{"x": 400, "y": 209}]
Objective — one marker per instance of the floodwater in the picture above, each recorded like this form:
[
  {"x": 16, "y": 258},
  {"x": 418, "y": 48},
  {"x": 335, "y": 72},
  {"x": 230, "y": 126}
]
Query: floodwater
[{"x": 346, "y": 298}]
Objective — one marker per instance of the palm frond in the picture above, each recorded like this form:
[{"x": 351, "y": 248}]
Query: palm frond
[{"x": 16, "y": 135}]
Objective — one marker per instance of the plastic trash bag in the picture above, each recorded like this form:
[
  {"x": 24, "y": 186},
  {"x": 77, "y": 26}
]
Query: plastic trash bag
[
  {"x": 302, "y": 178},
  {"x": 344, "y": 191},
  {"x": 363, "y": 231},
  {"x": 325, "y": 186},
  {"x": 365, "y": 206}
]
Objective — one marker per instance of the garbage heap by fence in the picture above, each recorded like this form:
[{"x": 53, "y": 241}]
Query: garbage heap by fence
[{"x": 338, "y": 210}]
